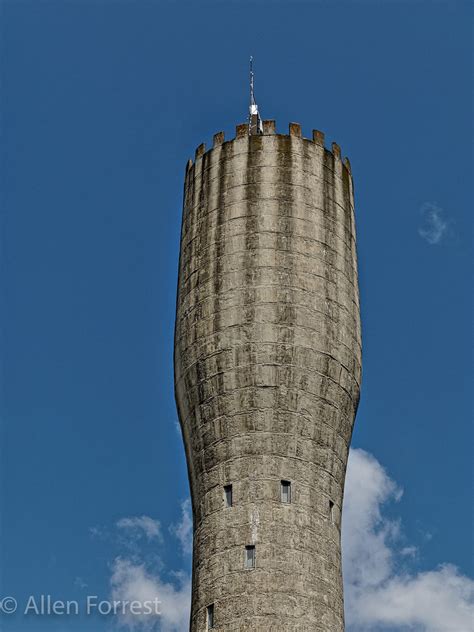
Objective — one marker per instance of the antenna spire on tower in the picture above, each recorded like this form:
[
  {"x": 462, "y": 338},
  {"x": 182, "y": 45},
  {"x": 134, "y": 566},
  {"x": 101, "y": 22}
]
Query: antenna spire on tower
[{"x": 255, "y": 122}]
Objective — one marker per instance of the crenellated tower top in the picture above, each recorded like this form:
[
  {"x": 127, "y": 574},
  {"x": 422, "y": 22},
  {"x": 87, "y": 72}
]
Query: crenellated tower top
[{"x": 268, "y": 128}]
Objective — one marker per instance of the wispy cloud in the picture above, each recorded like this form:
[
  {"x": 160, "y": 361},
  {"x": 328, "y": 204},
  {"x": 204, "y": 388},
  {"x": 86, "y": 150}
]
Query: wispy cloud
[
  {"x": 139, "y": 574},
  {"x": 80, "y": 583},
  {"x": 141, "y": 526},
  {"x": 131, "y": 580},
  {"x": 183, "y": 530},
  {"x": 98, "y": 532},
  {"x": 379, "y": 591},
  {"x": 434, "y": 224}
]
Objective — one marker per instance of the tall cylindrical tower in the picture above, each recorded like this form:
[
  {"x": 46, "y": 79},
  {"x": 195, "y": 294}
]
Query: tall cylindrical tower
[{"x": 267, "y": 375}]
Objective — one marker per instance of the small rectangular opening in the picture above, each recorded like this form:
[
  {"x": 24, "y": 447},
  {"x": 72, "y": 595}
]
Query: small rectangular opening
[
  {"x": 210, "y": 616},
  {"x": 250, "y": 556},
  {"x": 228, "y": 495},
  {"x": 331, "y": 511},
  {"x": 285, "y": 491}
]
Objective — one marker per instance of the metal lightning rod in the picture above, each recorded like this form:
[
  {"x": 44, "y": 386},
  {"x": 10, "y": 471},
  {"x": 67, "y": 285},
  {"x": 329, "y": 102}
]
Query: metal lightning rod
[{"x": 255, "y": 122}]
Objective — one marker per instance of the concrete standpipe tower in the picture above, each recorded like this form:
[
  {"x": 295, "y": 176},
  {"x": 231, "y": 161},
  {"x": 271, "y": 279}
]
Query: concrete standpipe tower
[{"x": 267, "y": 376}]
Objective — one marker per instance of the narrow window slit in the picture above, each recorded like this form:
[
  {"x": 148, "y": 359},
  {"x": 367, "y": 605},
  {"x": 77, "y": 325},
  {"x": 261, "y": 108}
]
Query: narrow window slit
[
  {"x": 250, "y": 556},
  {"x": 285, "y": 492},
  {"x": 331, "y": 511},
  {"x": 228, "y": 495},
  {"x": 210, "y": 616}
]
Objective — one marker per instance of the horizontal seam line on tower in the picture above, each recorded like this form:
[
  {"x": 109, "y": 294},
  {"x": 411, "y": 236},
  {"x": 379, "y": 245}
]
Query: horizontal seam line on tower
[{"x": 337, "y": 323}]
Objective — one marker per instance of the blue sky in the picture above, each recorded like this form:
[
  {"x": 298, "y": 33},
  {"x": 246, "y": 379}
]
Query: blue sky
[{"x": 102, "y": 103}]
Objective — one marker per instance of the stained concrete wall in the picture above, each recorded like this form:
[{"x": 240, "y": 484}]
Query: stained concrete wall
[{"x": 267, "y": 374}]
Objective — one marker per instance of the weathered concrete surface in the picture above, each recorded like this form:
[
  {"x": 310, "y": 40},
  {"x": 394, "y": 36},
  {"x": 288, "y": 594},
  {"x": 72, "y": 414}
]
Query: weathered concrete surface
[{"x": 267, "y": 374}]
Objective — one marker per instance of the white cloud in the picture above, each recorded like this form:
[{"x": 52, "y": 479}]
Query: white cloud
[
  {"x": 409, "y": 551},
  {"x": 142, "y": 525},
  {"x": 184, "y": 529},
  {"x": 379, "y": 593},
  {"x": 434, "y": 224},
  {"x": 132, "y": 581}
]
